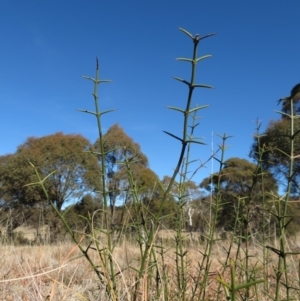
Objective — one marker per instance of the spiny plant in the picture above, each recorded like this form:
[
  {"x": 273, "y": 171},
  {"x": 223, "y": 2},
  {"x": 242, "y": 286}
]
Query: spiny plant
[
  {"x": 184, "y": 160},
  {"x": 282, "y": 203},
  {"x": 149, "y": 276},
  {"x": 146, "y": 234}
]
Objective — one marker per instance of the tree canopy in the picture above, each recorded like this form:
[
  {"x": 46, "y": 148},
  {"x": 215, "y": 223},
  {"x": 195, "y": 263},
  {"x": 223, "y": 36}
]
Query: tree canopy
[
  {"x": 237, "y": 180},
  {"x": 76, "y": 171},
  {"x": 118, "y": 146},
  {"x": 276, "y": 146},
  {"x": 286, "y": 101}
]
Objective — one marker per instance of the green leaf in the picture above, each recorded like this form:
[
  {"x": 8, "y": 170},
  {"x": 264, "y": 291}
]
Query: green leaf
[
  {"x": 287, "y": 223},
  {"x": 165, "y": 216},
  {"x": 202, "y": 86},
  {"x": 104, "y": 81},
  {"x": 90, "y": 78},
  {"x": 296, "y": 133},
  {"x": 181, "y": 80},
  {"x": 276, "y": 251},
  {"x": 184, "y": 253},
  {"x": 203, "y": 57},
  {"x": 186, "y": 32},
  {"x": 224, "y": 136},
  {"x": 173, "y": 136},
  {"x": 224, "y": 283},
  {"x": 183, "y": 59},
  {"x": 196, "y": 138},
  {"x": 217, "y": 159},
  {"x": 97, "y": 81},
  {"x": 195, "y": 125},
  {"x": 208, "y": 35},
  {"x": 89, "y": 112},
  {"x": 284, "y": 153},
  {"x": 282, "y": 113},
  {"x": 176, "y": 109},
  {"x": 194, "y": 141},
  {"x": 40, "y": 182},
  {"x": 292, "y": 253},
  {"x": 104, "y": 112},
  {"x": 198, "y": 108},
  {"x": 193, "y": 161},
  {"x": 248, "y": 284}
]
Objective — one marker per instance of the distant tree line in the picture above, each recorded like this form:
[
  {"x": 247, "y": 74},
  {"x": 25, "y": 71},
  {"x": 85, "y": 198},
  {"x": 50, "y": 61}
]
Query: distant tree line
[{"x": 73, "y": 167}]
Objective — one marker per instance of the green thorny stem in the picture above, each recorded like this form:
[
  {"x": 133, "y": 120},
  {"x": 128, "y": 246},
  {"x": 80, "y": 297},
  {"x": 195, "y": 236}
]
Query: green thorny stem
[
  {"x": 180, "y": 254},
  {"x": 185, "y": 140},
  {"x": 146, "y": 234},
  {"x": 282, "y": 212},
  {"x": 206, "y": 261},
  {"x": 84, "y": 252},
  {"x": 259, "y": 175},
  {"x": 232, "y": 288},
  {"x": 244, "y": 216},
  {"x": 243, "y": 219},
  {"x": 106, "y": 253}
]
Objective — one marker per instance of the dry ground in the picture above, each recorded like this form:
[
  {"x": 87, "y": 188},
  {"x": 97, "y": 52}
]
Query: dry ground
[{"x": 57, "y": 272}]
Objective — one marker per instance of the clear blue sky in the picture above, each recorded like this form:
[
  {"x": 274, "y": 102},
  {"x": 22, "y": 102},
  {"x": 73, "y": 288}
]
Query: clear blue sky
[{"x": 46, "y": 46}]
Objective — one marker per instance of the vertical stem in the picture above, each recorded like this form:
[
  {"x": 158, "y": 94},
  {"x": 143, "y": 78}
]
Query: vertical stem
[
  {"x": 103, "y": 175},
  {"x": 287, "y": 198},
  {"x": 205, "y": 264},
  {"x": 282, "y": 214},
  {"x": 196, "y": 40}
]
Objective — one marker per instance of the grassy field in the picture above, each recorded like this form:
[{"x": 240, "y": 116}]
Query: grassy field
[
  {"x": 141, "y": 261},
  {"x": 58, "y": 272}
]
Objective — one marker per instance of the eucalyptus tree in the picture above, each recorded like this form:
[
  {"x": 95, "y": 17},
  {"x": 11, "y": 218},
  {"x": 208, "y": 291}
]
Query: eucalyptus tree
[
  {"x": 276, "y": 145},
  {"x": 72, "y": 171},
  {"x": 118, "y": 147},
  {"x": 237, "y": 181},
  {"x": 286, "y": 102}
]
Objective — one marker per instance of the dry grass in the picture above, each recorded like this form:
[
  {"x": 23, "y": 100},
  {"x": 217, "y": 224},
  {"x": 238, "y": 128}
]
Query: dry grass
[
  {"x": 59, "y": 273},
  {"x": 44, "y": 273}
]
